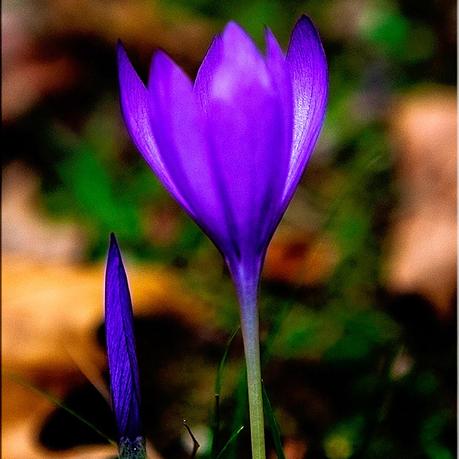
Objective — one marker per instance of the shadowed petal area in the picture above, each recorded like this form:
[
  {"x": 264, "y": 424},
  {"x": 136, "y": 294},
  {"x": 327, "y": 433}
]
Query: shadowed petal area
[
  {"x": 180, "y": 130},
  {"x": 134, "y": 100},
  {"x": 248, "y": 140},
  {"x": 276, "y": 63},
  {"x": 308, "y": 69},
  {"x": 205, "y": 73},
  {"x": 122, "y": 360}
]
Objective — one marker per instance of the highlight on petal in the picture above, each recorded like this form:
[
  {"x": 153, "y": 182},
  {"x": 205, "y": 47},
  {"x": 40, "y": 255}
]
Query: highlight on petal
[
  {"x": 307, "y": 65},
  {"x": 241, "y": 64},
  {"x": 247, "y": 102},
  {"x": 122, "y": 360}
]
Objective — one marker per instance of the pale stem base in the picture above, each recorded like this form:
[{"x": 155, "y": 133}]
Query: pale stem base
[
  {"x": 252, "y": 358},
  {"x": 247, "y": 286}
]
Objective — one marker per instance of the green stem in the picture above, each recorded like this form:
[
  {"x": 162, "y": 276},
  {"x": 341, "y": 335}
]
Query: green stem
[
  {"x": 252, "y": 359},
  {"x": 247, "y": 287}
]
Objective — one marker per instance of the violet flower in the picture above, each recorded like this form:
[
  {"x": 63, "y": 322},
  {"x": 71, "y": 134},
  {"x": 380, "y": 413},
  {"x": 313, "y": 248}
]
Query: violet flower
[
  {"x": 231, "y": 149},
  {"x": 122, "y": 360}
]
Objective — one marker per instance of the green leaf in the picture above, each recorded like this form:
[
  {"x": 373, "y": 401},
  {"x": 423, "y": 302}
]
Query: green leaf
[
  {"x": 230, "y": 441},
  {"x": 240, "y": 412},
  {"x": 218, "y": 386},
  {"x": 53, "y": 399},
  {"x": 273, "y": 426},
  {"x": 219, "y": 378}
]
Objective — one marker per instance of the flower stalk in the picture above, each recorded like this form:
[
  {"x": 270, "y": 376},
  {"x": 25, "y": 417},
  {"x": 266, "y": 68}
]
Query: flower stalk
[
  {"x": 250, "y": 334},
  {"x": 246, "y": 278}
]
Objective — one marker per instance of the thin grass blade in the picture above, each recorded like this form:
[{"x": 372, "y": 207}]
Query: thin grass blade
[
  {"x": 218, "y": 387},
  {"x": 53, "y": 399},
  {"x": 230, "y": 442},
  {"x": 273, "y": 426},
  {"x": 241, "y": 411}
]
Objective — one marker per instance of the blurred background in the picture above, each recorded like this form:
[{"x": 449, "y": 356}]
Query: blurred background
[{"x": 359, "y": 291}]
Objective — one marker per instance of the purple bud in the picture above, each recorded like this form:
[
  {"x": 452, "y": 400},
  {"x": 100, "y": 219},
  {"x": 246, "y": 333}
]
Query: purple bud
[{"x": 122, "y": 360}]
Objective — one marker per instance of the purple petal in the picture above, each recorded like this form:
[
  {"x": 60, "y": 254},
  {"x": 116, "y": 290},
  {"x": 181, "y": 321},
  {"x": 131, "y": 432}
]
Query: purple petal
[
  {"x": 206, "y": 71},
  {"x": 276, "y": 62},
  {"x": 240, "y": 64},
  {"x": 308, "y": 69},
  {"x": 248, "y": 139},
  {"x": 134, "y": 106},
  {"x": 122, "y": 360},
  {"x": 232, "y": 148},
  {"x": 181, "y": 134}
]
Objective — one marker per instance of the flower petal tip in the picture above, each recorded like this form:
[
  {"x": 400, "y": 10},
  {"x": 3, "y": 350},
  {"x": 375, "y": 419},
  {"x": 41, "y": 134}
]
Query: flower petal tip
[
  {"x": 305, "y": 26},
  {"x": 121, "y": 53},
  {"x": 114, "y": 249},
  {"x": 306, "y": 21},
  {"x": 163, "y": 68},
  {"x": 233, "y": 27},
  {"x": 272, "y": 45},
  {"x": 236, "y": 38},
  {"x": 119, "y": 45},
  {"x": 159, "y": 60}
]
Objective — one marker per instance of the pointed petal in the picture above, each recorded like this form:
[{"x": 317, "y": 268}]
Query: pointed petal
[
  {"x": 134, "y": 106},
  {"x": 308, "y": 69},
  {"x": 122, "y": 360},
  {"x": 206, "y": 71},
  {"x": 277, "y": 66},
  {"x": 247, "y": 130},
  {"x": 241, "y": 63},
  {"x": 180, "y": 131}
]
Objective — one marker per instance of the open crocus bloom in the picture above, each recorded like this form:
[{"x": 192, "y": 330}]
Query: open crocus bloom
[{"x": 232, "y": 147}]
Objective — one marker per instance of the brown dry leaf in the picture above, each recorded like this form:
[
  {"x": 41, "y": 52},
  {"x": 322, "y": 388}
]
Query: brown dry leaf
[
  {"x": 51, "y": 309},
  {"x": 23, "y": 412},
  {"x": 26, "y": 230},
  {"x": 50, "y": 314},
  {"x": 137, "y": 22},
  {"x": 24, "y": 85},
  {"x": 298, "y": 257},
  {"x": 424, "y": 239},
  {"x": 27, "y": 77}
]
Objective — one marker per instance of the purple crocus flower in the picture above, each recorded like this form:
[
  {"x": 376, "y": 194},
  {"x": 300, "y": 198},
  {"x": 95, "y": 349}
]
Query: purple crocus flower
[
  {"x": 122, "y": 360},
  {"x": 231, "y": 149}
]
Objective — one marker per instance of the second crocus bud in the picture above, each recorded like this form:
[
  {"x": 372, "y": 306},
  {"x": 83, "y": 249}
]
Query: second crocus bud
[{"x": 122, "y": 359}]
